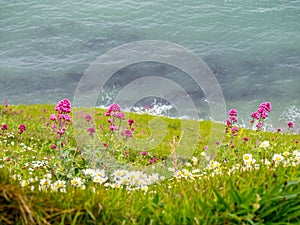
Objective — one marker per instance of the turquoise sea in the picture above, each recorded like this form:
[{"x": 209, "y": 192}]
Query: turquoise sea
[{"x": 252, "y": 47}]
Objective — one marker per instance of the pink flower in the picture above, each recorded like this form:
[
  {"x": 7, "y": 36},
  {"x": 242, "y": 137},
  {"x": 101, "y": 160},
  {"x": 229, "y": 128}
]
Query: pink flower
[
  {"x": 234, "y": 129},
  {"x": 115, "y": 111},
  {"x": 91, "y": 130},
  {"x": 53, "y": 147},
  {"x": 130, "y": 122},
  {"x": 245, "y": 139},
  {"x": 65, "y": 117},
  {"x": 22, "y": 128},
  {"x": 255, "y": 115},
  {"x": 144, "y": 153},
  {"x": 232, "y": 112},
  {"x": 61, "y": 131},
  {"x": 88, "y": 117},
  {"x": 63, "y": 106},
  {"x": 53, "y": 117},
  {"x": 290, "y": 124},
  {"x": 264, "y": 114},
  {"x": 118, "y": 115},
  {"x": 259, "y": 125},
  {"x": 113, "y": 127},
  {"x": 278, "y": 129},
  {"x": 114, "y": 108},
  {"x": 266, "y": 105},
  {"x": 127, "y": 133},
  {"x": 233, "y": 118},
  {"x": 228, "y": 122},
  {"x": 105, "y": 145},
  {"x": 4, "y": 126}
]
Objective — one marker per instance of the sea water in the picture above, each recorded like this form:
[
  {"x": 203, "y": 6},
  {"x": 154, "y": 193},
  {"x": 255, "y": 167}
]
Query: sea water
[{"x": 251, "y": 46}]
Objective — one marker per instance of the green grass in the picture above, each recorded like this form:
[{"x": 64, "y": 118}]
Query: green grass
[{"x": 198, "y": 191}]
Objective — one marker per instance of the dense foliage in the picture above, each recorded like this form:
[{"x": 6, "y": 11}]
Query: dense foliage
[{"x": 60, "y": 165}]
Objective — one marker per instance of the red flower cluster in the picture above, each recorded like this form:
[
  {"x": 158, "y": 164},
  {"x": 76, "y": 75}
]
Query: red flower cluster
[
  {"x": 22, "y": 128},
  {"x": 63, "y": 106},
  {"x": 261, "y": 114},
  {"x": 232, "y": 119}
]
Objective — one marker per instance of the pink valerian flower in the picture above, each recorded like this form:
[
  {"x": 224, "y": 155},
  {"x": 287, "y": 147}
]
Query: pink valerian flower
[
  {"x": 60, "y": 132},
  {"x": 246, "y": 139},
  {"x": 53, "y": 117},
  {"x": 144, "y": 153},
  {"x": 127, "y": 133},
  {"x": 290, "y": 124},
  {"x": 91, "y": 130},
  {"x": 229, "y": 125},
  {"x": 22, "y": 128},
  {"x": 64, "y": 117},
  {"x": 259, "y": 125},
  {"x": 234, "y": 129},
  {"x": 255, "y": 115},
  {"x": 113, "y": 127},
  {"x": 232, "y": 112},
  {"x": 233, "y": 118},
  {"x": 63, "y": 106},
  {"x": 228, "y": 122},
  {"x": 88, "y": 117},
  {"x": 118, "y": 115},
  {"x": 264, "y": 114},
  {"x": 266, "y": 105},
  {"x": 261, "y": 114},
  {"x": 4, "y": 126},
  {"x": 113, "y": 108},
  {"x": 53, "y": 147},
  {"x": 130, "y": 122},
  {"x": 105, "y": 145},
  {"x": 151, "y": 161}
]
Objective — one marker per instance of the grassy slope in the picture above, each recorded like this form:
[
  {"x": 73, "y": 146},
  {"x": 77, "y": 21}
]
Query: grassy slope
[{"x": 266, "y": 195}]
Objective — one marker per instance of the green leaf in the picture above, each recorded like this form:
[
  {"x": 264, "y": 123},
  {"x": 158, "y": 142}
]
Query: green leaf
[
  {"x": 222, "y": 201},
  {"x": 156, "y": 199}
]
